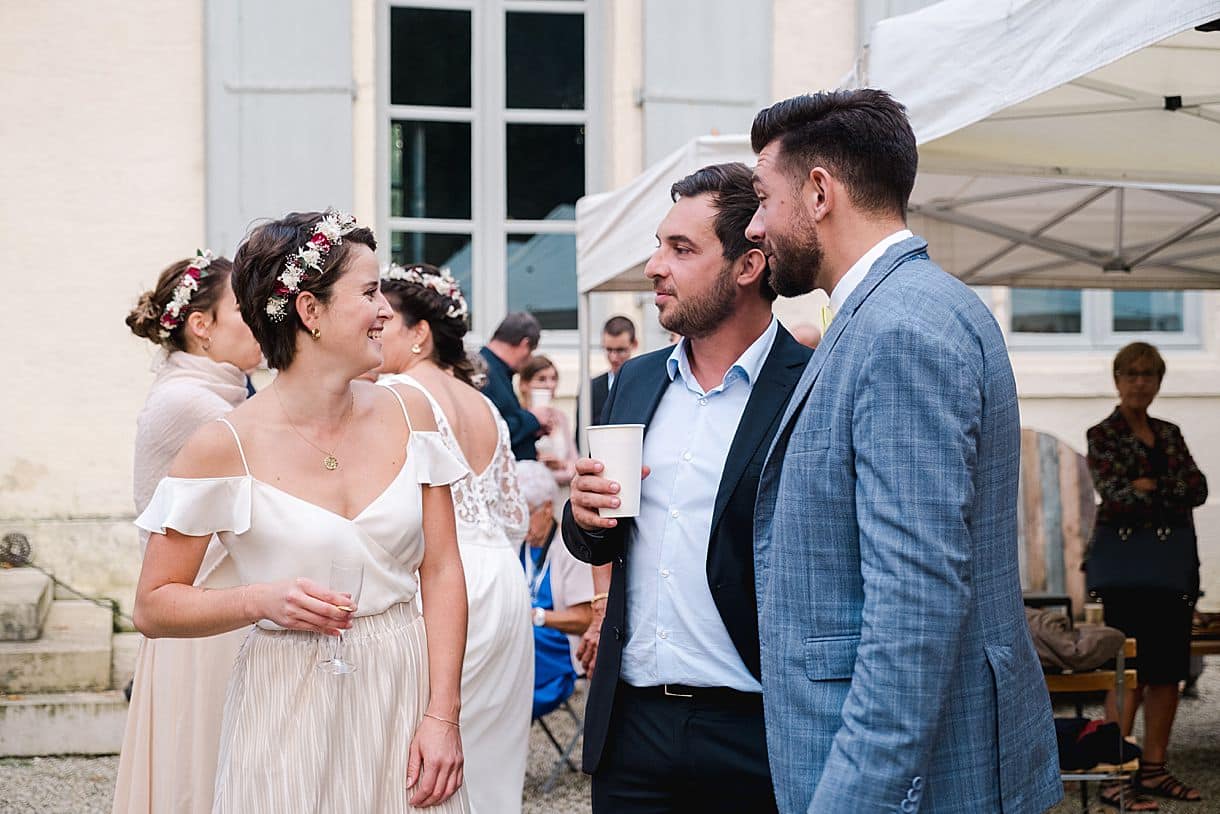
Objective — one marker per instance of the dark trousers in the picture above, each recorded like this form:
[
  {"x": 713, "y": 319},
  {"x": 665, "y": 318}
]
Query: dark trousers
[{"x": 666, "y": 754}]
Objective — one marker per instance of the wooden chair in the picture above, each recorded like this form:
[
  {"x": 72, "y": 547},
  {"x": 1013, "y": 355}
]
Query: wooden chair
[{"x": 1078, "y": 685}]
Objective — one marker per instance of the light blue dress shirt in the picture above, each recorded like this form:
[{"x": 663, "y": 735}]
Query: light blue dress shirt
[{"x": 674, "y": 632}]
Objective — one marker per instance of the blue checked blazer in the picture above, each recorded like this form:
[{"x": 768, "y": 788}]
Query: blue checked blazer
[{"x": 897, "y": 669}]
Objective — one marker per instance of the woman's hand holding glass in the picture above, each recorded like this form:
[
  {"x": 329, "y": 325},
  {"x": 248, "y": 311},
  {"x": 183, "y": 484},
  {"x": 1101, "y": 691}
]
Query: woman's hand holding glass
[
  {"x": 300, "y": 604},
  {"x": 434, "y": 764}
]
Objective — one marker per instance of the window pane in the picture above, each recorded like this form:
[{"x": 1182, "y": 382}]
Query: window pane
[
  {"x": 542, "y": 278},
  {"x": 546, "y": 170},
  {"x": 1141, "y": 311},
  {"x": 1045, "y": 311},
  {"x": 429, "y": 57},
  {"x": 545, "y": 55},
  {"x": 430, "y": 169},
  {"x": 441, "y": 250}
]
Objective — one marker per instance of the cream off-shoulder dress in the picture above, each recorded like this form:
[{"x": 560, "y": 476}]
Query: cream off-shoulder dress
[{"x": 295, "y": 738}]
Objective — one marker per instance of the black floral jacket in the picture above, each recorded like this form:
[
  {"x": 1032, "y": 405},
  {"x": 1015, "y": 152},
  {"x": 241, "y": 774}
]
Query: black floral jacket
[{"x": 1117, "y": 457}]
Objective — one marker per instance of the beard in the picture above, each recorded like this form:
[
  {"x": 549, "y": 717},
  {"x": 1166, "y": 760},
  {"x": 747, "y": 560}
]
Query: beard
[
  {"x": 698, "y": 316},
  {"x": 796, "y": 259}
]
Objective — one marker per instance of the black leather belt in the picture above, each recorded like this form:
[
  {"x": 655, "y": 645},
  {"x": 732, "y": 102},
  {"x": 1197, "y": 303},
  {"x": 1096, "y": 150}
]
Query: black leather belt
[{"x": 721, "y": 696}]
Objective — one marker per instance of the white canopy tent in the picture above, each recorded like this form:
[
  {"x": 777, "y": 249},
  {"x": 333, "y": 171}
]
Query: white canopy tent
[{"x": 1061, "y": 145}]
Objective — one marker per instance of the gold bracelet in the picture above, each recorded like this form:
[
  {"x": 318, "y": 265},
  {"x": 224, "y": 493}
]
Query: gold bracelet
[
  {"x": 597, "y": 597},
  {"x": 442, "y": 720}
]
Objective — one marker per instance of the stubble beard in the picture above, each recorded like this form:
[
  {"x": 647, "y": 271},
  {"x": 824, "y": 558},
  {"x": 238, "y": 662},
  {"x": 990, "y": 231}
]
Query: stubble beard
[
  {"x": 796, "y": 260},
  {"x": 696, "y": 318}
]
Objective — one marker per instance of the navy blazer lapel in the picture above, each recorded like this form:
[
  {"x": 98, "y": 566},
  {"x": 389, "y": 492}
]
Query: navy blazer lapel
[
  {"x": 894, "y": 257},
  {"x": 778, "y": 375},
  {"x": 639, "y": 389}
]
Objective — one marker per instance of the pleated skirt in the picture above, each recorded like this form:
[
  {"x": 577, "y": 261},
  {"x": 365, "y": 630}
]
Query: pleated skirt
[{"x": 296, "y": 739}]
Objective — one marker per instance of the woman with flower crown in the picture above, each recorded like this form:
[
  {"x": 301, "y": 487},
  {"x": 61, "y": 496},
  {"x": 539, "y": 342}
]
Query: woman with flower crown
[
  {"x": 168, "y": 760},
  {"x": 316, "y": 475},
  {"x": 423, "y": 349}
]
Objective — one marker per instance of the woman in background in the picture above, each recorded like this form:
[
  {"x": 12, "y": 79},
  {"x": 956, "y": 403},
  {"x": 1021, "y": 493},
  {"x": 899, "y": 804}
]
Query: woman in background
[
  {"x": 1148, "y": 483},
  {"x": 423, "y": 349},
  {"x": 558, "y": 449},
  {"x": 168, "y": 760}
]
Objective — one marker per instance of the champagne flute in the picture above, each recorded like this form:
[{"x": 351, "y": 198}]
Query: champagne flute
[{"x": 346, "y": 577}]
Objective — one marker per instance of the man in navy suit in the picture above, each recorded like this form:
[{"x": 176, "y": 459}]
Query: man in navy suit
[
  {"x": 516, "y": 337},
  {"x": 619, "y": 344},
  {"x": 674, "y": 719}
]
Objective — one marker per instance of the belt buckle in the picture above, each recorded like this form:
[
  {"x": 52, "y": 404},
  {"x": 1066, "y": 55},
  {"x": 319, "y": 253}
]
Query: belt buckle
[{"x": 668, "y": 694}]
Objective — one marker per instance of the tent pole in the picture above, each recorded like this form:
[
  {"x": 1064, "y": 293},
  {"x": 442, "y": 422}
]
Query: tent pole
[{"x": 584, "y": 406}]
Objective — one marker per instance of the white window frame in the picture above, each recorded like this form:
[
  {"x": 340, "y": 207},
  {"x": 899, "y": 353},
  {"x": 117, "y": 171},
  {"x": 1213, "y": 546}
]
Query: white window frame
[
  {"x": 489, "y": 225},
  {"x": 1096, "y": 321}
]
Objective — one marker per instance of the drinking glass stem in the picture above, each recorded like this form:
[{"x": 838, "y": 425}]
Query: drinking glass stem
[{"x": 339, "y": 647}]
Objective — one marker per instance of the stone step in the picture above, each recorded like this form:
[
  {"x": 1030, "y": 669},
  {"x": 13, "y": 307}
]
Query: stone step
[
  {"x": 25, "y": 600},
  {"x": 123, "y": 649},
  {"x": 76, "y": 723},
  {"x": 73, "y": 654}
]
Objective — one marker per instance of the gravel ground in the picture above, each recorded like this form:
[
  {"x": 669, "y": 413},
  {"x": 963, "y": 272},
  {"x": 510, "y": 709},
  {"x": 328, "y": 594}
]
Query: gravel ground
[{"x": 76, "y": 785}]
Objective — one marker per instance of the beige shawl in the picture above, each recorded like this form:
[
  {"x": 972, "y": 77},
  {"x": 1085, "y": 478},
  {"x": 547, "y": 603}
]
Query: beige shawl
[{"x": 187, "y": 392}]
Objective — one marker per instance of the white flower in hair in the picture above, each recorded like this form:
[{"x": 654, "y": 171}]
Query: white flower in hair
[
  {"x": 187, "y": 285},
  {"x": 327, "y": 234},
  {"x": 441, "y": 281}
]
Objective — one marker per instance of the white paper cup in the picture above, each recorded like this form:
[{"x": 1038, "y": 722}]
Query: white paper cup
[
  {"x": 540, "y": 397},
  {"x": 620, "y": 448}
]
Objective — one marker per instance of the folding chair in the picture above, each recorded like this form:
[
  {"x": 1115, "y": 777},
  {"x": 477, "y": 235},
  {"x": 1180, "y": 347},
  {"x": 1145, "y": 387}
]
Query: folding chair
[
  {"x": 564, "y": 749},
  {"x": 1092, "y": 681}
]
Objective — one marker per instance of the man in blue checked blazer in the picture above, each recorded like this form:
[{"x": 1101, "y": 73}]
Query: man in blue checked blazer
[{"x": 897, "y": 669}]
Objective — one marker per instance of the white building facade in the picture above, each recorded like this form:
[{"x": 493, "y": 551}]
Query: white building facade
[{"x": 464, "y": 131}]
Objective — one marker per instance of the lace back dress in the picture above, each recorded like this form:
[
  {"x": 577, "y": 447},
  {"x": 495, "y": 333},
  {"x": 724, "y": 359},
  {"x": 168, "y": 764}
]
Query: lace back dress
[{"x": 498, "y": 670}]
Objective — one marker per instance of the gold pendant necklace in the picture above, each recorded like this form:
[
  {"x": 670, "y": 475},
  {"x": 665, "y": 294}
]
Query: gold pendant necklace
[{"x": 330, "y": 462}]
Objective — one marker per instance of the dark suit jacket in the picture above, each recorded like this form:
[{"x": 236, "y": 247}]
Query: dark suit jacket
[
  {"x": 522, "y": 426},
  {"x": 730, "y": 553},
  {"x": 599, "y": 390}
]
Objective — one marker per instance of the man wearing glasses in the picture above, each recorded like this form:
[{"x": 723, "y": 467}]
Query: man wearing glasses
[{"x": 618, "y": 342}]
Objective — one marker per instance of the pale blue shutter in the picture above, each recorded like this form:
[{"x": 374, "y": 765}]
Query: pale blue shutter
[
  {"x": 707, "y": 68},
  {"x": 279, "y": 111}
]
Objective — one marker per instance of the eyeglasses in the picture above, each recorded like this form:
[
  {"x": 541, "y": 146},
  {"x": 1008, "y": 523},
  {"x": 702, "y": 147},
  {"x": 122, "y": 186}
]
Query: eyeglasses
[
  {"x": 1134, "y": 375},
  {"x": 617, "y": 351}
]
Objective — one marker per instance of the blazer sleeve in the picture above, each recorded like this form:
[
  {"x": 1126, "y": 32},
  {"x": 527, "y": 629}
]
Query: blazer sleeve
[
  {"x": 1184, "y": 486},
  {"x": 914, "y": 491}
]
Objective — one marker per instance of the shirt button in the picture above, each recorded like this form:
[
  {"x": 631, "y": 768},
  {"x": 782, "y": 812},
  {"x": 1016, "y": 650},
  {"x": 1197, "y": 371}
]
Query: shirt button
[
  {"x": 702, "y": 402},
  {"x": 686, "y": 456},
  {"x": 662, "y": 634},
  {"x": 674, "y": 513},
  {"x": 665, "y": 573}
]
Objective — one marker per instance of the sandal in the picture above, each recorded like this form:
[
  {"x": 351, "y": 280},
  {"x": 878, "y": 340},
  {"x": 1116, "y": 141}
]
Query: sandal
[
  {"x": 1164, "y": 784},
  {"x": 1132, "y": 799}
]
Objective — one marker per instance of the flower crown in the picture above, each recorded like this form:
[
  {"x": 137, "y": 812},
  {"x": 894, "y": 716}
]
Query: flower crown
[
  {"x": 440, "y": 281},
  {"x": 188, "y": 284},
  {"x": 308, "y": 258}
]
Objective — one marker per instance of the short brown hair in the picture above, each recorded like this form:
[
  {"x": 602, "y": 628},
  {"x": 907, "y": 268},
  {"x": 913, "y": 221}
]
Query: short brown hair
[
  {"x": 535, "y": 365},
  {"x": 861, "y": 136},
  {"x": 256, "y": 269},
  {"x": 619, "y": 325},
  {"x": 731, "y": 188},
  {"x": 144, "y": 319},
  {"x": 1135, "y": 353}
]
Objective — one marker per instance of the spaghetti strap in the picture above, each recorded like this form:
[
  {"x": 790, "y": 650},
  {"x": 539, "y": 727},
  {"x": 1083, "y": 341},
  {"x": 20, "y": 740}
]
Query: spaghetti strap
[
  {"x": 401, "y": 404},
  {"x": 240, "y": 450}
]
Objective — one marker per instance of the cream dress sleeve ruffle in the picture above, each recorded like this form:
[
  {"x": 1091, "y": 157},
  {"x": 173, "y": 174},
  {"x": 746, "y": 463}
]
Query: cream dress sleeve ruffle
[
  {"x": 435, "y": 465},
  {"x": 198, "y": 506}
]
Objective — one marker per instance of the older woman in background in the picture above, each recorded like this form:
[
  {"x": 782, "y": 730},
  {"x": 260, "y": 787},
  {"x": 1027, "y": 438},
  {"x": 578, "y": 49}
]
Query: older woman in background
[
  {"x": 560, "y": 588},
  {"x": 1143, "y": 560}
]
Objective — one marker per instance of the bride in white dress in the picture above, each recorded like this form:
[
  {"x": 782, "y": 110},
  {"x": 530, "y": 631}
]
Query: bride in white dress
[
  {"x": 425, "y": 339},
  {"x": 313, "y": 469}
]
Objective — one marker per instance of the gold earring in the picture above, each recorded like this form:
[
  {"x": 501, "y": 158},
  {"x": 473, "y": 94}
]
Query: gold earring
[
  {"x": 416, "y": 348},
  {"x": 316, "y": 333},
  {"x": 207, "y": 344}
]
